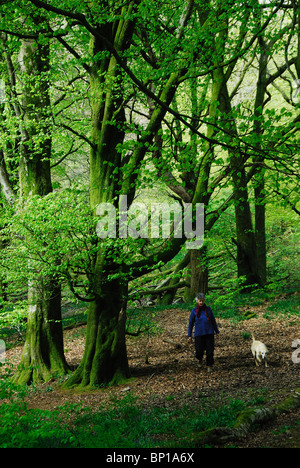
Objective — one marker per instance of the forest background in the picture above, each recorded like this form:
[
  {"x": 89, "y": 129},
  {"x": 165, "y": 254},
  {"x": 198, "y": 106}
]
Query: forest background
[{"x": 174, "y": 102}]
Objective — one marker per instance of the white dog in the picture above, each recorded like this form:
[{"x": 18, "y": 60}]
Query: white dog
[{"x": 259, "y": 351}]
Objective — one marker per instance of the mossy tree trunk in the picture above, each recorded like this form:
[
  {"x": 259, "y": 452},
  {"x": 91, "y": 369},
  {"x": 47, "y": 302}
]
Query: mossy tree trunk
[
  {"x": 43, "y": 354},
  {"x": 259, "y": 179},
  {"x": 105, "y": 356},
  {"x": 198, "y": 271},
  {"x": 246, "y": 421},
  {"x": 221, "y": 102}
]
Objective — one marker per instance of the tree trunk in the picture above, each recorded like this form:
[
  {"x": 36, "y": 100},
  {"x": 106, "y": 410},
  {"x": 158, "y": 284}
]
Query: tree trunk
[
  {"x": 198, "y": 273},
  {"x": 105, "y": 358},
  {"x": 259, "y": 179},
  {"x": 43, "y": 354},
  {"x": 168, "y": 296},
  {"x": 245, "y": 236},
  {"x": 199, "y": 280},
  {"x": 245, "y": 239},
  {"x": 105, "y": 355},
  {"x": 260, "y": 227}
]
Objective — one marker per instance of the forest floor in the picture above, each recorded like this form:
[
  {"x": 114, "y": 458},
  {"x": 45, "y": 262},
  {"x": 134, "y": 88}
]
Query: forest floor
[{"x": 166, "y": 374}]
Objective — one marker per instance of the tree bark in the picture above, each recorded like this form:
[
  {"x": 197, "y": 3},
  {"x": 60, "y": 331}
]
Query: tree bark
[
  {"x": 105, "y": 356},
  {"x": 245, "y": 236},
  {"x": 197, "y": 275},
  {"x": 259, "y": 179},
  {"x": 43, "y": 354},
  {"x": 167, "y": 297}
]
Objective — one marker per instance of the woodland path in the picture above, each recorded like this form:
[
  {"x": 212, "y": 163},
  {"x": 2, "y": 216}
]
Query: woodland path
[{"x": 172, "y": 378}]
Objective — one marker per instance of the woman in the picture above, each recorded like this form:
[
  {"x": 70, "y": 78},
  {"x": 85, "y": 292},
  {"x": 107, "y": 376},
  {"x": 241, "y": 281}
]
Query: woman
[{"x": 203, "y": 319}]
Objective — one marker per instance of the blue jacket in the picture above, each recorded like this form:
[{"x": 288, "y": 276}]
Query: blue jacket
[{"x": 204, "y": 325}]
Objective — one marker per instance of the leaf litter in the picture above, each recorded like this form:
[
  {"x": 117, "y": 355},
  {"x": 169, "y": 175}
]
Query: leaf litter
[{"x": 165, "y": 372}]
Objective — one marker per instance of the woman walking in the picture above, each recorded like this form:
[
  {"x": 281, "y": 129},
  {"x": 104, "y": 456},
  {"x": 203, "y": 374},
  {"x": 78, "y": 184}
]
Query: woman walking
[{"x": 202, "y": 318}]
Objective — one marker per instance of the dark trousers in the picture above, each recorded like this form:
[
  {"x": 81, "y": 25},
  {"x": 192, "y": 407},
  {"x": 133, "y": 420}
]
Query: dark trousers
[{"x": 205, "y": 343}]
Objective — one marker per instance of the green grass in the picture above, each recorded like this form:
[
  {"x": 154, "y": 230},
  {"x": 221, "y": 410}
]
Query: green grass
[
  {"x": 23, "y": 428},
  {"x": 123, "y": 424},
  {"x": 232, "y": 305},
  {"x": 288, "y": 306},
  {"x": 132, "y": 426}
]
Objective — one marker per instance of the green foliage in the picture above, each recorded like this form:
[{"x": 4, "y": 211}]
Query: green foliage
[
  {"x": 103, "y": 100},
  {"x": 233, "y": 297},
  {"x": 141, "y": 321},
  {"x": 12, "y": 318},
  {"x": 122, "y": 425},
  {"x": 284, "y": 306},
  {"x": 53, "y": 236},
  {"x": 233, "y": 305},
  {"x": 283, "y": 247},
  {"x": 23, "y": 428}
]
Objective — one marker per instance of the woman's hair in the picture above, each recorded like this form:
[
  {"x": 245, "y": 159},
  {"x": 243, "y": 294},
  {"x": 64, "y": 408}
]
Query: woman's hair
[
  {"x": 198, "y": 311},
  {"x": 200, "y": 296}
]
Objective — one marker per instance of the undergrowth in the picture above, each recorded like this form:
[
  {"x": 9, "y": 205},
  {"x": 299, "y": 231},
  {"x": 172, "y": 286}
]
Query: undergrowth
[
  {"x": 232, "y": 304},
  {"x": 123, "y": 424}
]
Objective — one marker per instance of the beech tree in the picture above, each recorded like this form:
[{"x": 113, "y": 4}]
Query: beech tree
[
  {"x": 43, "y": 350},
  {"x": 105, "y": 357},
  {"x": 134, "y": 62},
  {"x": 244, "y": 135}
]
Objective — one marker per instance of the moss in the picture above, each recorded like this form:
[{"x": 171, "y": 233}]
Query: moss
[
  {"x": 245, "y": 422},
  {"x": 289, "y": 403}
]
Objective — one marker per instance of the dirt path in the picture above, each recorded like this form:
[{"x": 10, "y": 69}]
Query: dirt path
[{"x": 171, "y": 375}]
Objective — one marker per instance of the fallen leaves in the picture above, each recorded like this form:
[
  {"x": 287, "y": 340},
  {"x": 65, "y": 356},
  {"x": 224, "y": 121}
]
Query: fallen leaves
[{"x": 172, "y": 375}]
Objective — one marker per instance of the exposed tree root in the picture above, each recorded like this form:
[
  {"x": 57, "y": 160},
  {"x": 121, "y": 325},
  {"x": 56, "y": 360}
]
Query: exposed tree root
[{"x": 245, "y": 422}]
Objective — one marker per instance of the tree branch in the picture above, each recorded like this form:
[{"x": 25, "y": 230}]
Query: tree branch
[
  {"x": 110, "y": 47},
  {"x": 71, "y": 151},
  {"x": 70, "y": 129},
  {"x": 157, "y": 292}
]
